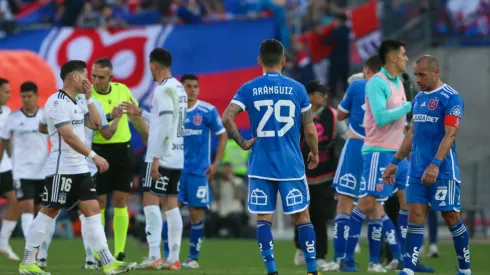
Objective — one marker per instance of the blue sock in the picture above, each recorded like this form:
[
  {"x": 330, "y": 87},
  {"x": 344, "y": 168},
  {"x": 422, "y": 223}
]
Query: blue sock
[
  {"x": 432, "y": 217},
  {"x": 460, "y": 238},
  {"x": 197, "y": 235},
  {"x": 166, "y": 250},
  {"x": 415, "y": 239},
  {"x": 264, "y": 238},
  {"x": 339, "y": 238},
  {"x": 354, "y": 230},
  {"x": 389, "y": 231},
  {"x": 402, "y": 228},
  {"x": 375, "y": 232},
  {"x": 307, "y": 240}
]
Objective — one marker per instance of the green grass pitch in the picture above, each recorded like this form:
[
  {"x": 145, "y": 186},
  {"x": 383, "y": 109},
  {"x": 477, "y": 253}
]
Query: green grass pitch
[{"x": 232, "y": 257}]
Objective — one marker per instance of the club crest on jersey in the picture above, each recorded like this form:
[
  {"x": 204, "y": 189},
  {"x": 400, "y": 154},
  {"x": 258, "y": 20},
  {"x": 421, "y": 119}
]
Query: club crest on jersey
[
  {"x": 55, "y": 103},
  {"x": 379, "y": 187},
  {"x": 197, "y": 120},
  {"x": 433, "y": 104}
]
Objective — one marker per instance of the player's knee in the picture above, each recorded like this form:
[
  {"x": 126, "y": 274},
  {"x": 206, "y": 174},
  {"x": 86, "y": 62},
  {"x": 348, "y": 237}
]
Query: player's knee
[
  {"x": 366, "y": 204},
  {"x": 345, "y": 204},
  {"x": 119, "y": 200},
  {"x": 301, "y": 217},
  {"x": 415, "y": 216},
  {"x": 102, "y": 200},
  {"x": 150, "y": 199},
  {"x": 27, "y": 206},
  {"x": 169, "y": 203},
  {"x": 264, "y": 217},
  {"x": 451, "y": 217},
  {"x": 196, "y": 214}
]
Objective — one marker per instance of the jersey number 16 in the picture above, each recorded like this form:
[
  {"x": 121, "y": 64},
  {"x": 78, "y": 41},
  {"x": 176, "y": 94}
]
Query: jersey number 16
[{"x": 275, "y": 109}]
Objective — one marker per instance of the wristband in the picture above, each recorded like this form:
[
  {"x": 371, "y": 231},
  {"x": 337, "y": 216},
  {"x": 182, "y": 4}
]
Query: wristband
[
  {"x": 90, "y": 101},
  {"x": 436, "y": 162},
  {"x": 91, "y": 155},
  {"x": 395, "y": 161}
]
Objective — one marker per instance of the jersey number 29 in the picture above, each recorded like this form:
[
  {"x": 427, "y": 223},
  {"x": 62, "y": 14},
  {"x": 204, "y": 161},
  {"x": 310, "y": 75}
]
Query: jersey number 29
[{"x": 275, "y": 109}]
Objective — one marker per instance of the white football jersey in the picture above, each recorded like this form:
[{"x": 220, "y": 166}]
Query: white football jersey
[
  {"x": 30, "y": 147},
  {"x": 169, "y": 98},
  {"x": 89, "y": 133},
  {"x": 60, "y": 110},
  {"x": 6, "y": 164}
]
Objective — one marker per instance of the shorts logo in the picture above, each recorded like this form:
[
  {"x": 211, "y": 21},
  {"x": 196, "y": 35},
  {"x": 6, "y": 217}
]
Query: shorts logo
[
  {"x": 62, "y": 198},
  {"x": 294, "y": 197},
  {"x": 379, "y": 187},
  {"x": 258, "y": 197},
  {"x": 348, "y": 181},
  {"x": 433, "y": 104},
  {"x": 197, "y": 120}
]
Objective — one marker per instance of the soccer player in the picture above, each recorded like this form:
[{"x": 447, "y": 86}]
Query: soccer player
[
  {"x": 117, "y": 150},
  {"x": 68, "y": 183},
  {"x": 277, "y": 107},
  {"x": 384, "y": 122},
  {"x": 347, "y": 178},
  {"x": 6, "y": 182},
  {"x": 202, "y": 119},
  {"x": 28, "y": 172},
  {"x": 434, "y": 171}
]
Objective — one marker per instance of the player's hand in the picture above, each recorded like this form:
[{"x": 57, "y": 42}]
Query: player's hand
[
  {"x": 430, "y": 175},
  {"x": 389, "y": 174},
  {"x": 248, "y": 144},
  {"x": 87, "y": 89},
  {"x": 211, "y": 171},
  {"x": 101, "y": 163},
  {"x": 131, "y": 108},
  {"x": 155, "y": 175},
  {"x": 116, "y": 112},
  {"x": 313, "y": 160}
]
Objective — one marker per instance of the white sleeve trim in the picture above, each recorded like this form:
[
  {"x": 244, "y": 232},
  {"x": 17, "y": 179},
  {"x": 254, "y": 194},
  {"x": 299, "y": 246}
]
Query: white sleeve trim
[
  {"x": 306, "y": 108},
  {"x": 343, "y": 109},
  {"x": 239, "y": 103},
  {"x": 146, "y": 116},
  {"x": 220, "y": 132}
]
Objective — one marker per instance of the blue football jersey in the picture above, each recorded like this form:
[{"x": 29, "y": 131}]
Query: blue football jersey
[
  {"x": 274, "y": 104},
  {"x": 354, "y": 104},
  {"x": 431, "y": 112},
  {"x": 201, "y": 120}
]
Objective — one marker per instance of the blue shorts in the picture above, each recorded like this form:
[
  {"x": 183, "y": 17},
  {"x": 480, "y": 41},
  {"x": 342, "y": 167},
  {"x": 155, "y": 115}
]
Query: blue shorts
[
  {"x": 374, "y": 163},
  {"x": 194, "y": 191},
  {"x": 443, "y": 195},
  {"x": 349, "y": 171},
  {"x": 401, "y": 176},
  {"x": 262, "y": 196}
]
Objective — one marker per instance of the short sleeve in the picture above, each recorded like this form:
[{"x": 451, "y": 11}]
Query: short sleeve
[
  {"x": 239, "y": 98},
  {"x": 346, "y": 104},
  {"x": 163, "y": 102},
  {"x": 103, "y": 118},
  {"x": 453, "y": 111},
  {"x": 6, "y": 129},
  {"x": 304, "y": 99},
  {"x": 215, "y": 122},
  {"x": 59, "y": 113}
]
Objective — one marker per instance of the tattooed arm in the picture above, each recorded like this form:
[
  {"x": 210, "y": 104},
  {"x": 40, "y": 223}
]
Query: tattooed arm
[
  {"x": 311, "y": 135},
  {"x": 228, "y": 120}
]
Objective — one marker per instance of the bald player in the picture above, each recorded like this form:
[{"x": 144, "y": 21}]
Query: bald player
[{"x": 434, "y": 177}]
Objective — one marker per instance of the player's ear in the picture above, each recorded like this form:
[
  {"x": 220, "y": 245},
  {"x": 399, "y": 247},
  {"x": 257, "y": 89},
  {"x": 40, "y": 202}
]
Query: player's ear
[
  {"x": 259, "y": 60},
  {"x": 283, "y": 61}
]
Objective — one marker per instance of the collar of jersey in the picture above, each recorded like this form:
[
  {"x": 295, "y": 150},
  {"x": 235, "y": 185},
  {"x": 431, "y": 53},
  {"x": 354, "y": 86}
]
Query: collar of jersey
[
  {"x": 27, "y": 115},
  {"x": 63, "y": 92},
  {"x": 194, "y": 107},
  {"x": 383, "y": 70},
  {"x": 433, "y": 91},
  {"x": 165, "y": 80},
  {"x": 110, "y": 90},
  {"x": 272, "y": 74}
]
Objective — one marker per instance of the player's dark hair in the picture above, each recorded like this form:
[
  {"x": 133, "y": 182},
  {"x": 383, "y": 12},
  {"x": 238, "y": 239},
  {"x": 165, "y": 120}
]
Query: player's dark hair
[
  {"x": 162, "y": 57},
  {"x": 3, "y": 81},
  {"x": 189, "y": 77},
  {"x": 388, "y": 46},
  {"x": 104, "y": 62},
  {"x": 72, "y": 66},
  {"x": 342, "y": 17},
  {"x": 271, "y": 52},
  {"x": 28, "y": 86},
  {"x": 373, "y": 63}
]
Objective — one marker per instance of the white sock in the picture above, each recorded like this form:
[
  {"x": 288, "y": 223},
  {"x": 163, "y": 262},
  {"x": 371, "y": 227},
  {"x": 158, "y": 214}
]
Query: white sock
[
  {"x": 6, "y": 231},
  {"x": 43, "y": 250},
  {"x": 89, "y": 253},
  {"x": 408, "y": 271},
  {"x": 175, "y": 225},
  {"x": 97, "y": 240},
  {"x": 153, "y": 229},
  {"x": 26, "y": 220},
  {"x": 35, "y": 237}
]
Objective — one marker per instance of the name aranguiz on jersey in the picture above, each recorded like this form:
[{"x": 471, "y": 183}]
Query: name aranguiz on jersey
[{"x": 269, "y": 90}]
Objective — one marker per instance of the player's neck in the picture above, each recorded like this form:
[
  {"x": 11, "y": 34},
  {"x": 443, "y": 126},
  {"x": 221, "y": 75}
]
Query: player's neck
[
  {"x": 392, "y": 71},
  {"x": 29, "y": 111},
  {"x": 70, "y": 91},
  {"x": 272, "y": 70},
  {"x": 315, "y": 108},
  {"x": 162, "y": 75},
  {"x": 191, "y": 104}
]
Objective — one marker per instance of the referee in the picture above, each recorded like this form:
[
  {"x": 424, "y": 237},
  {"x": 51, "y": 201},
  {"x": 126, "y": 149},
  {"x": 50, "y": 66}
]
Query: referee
[
  {"x": 322, "y": 201},
  {"x": 116, "y": 150}
]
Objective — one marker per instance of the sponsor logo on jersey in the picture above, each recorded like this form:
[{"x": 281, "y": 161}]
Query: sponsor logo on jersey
[
  {"x": 424, "y": 118},
  {"x": 77, "y": 121},
  {"x": 433, "y": 104},
  {"x": 176, "y": 146},
  {"x": 190, "y": 132},
  {"x": 197, "y": 119}
]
